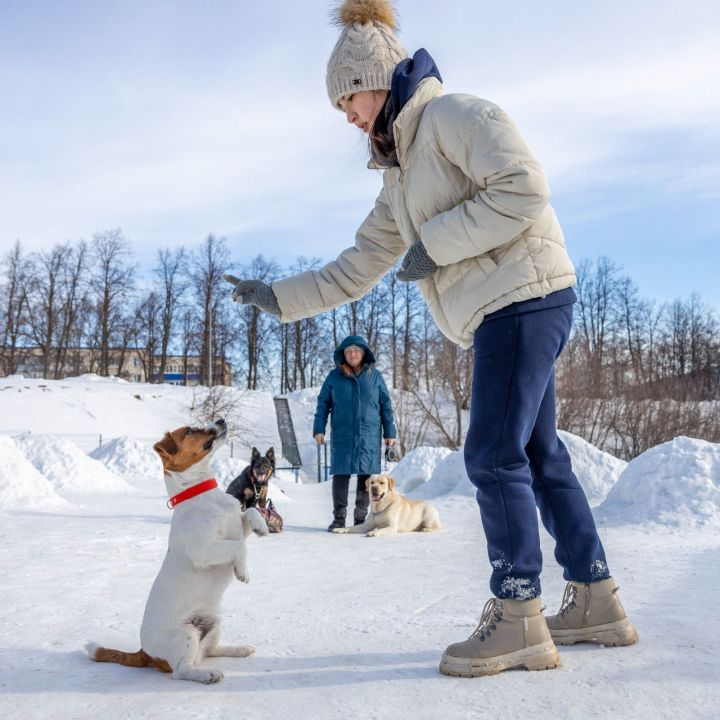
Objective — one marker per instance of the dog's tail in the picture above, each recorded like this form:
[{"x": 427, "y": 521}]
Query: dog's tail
[
  {"x": 136, "y": 659},
  {"x": 253, "y": 521}
]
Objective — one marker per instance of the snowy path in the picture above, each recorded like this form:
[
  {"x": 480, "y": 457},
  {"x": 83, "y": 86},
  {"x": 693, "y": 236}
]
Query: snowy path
[{"x": 345, "y": 626}]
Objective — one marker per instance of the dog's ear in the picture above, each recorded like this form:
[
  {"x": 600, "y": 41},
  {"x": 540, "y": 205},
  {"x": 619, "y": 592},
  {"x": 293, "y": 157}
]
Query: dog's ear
[
  {"x": 270, "y": 455},
  {"x": 166, "y": 448},
  {"x": 367, "y": 484},
  {"x": 255, "y": 454},
  {"x": 391, "y": 482}
]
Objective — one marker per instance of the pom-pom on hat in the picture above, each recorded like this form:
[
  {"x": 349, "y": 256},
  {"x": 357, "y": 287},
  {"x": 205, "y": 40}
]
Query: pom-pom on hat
[{"x": 367, "y": 51}]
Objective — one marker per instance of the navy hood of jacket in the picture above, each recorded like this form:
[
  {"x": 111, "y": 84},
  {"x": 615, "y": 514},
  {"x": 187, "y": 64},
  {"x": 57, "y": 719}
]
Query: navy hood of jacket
[
  {"x": 408, "y": 74},
  {"x": 339, "y": 356}
]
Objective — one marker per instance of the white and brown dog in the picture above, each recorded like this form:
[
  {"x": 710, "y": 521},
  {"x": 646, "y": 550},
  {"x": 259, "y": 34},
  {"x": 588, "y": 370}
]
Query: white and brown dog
[
  {"x": 393, "y": 513},
  {"x": 206, "y": 547}
]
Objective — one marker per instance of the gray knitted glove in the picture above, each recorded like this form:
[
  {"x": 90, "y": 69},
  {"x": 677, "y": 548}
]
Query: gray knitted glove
[
  {"x": 254, "y": 292},
  {"x": 417, "y": 264}
]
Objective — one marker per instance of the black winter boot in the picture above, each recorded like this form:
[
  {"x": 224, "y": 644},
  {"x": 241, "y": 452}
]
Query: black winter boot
[
  {"x": 338, "y": 522},
  {"x": 362, "y": 500}
]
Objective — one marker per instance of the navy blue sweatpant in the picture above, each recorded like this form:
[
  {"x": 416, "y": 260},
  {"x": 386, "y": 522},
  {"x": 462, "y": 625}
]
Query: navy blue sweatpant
[{"x": 516, "y": 461}]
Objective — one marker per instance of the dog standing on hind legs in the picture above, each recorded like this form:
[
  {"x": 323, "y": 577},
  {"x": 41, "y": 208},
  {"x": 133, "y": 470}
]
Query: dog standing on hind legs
[{"x": 206, "y": 548}]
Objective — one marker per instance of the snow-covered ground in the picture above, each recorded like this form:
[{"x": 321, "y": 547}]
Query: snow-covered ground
[{"x": 345, "y": 626}]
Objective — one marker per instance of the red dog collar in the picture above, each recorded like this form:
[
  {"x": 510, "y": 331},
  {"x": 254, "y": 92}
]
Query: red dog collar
[{"x": 191, "y": 492}]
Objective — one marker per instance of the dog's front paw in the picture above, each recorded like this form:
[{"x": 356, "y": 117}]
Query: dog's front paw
[
  {"x": 211, "y": 676},
  {"x": 374, "y": 533},
  {"x": 242, "y": 575},
  {"x": 239, "y": 650},
  {"x": 257, "y": 522},
  {"x": 341, "y": 531}
]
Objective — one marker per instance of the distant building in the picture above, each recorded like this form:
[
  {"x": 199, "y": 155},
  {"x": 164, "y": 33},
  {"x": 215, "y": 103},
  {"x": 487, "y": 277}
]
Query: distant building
[{"x": 126, "y": 363}]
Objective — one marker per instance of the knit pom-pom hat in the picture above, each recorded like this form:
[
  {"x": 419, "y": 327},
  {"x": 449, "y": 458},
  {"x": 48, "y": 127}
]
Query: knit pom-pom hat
[{"x": 367, "y": 51}]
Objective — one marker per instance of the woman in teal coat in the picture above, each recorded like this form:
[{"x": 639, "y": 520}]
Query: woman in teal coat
[{"x": 355, "y": 396}]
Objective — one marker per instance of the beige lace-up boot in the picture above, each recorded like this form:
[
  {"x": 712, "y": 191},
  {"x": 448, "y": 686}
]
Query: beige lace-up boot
[
  {"x": 511, "y": 633},
  {"x": 592, "y": 612}
]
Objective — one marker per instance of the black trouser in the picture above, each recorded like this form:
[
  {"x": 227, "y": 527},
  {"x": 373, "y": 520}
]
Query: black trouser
[{"x": 340, "y": 484}]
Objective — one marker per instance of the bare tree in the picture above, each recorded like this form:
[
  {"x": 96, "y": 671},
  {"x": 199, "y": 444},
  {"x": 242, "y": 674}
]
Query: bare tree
[
  {"x": 303, "y": 343},
  {"x": 212, "y": 403},
  {"x": 188, "y": 339},
  {"x": 393, "y": 302},
  {"x": 207, "y": 267},
  {"x": 411, "y": 312},
  {"x": 410, "y": 420},
  {"x": 597, "y": 290},
  {"x": 112, "y": 280},
  {"x": 147, "y": 333},
  {"x": 170, "y": 274},
  {"x": 74, "y": 293},
  {"x": 258, "y": 328},
  {"x": 14, "y": 299}
]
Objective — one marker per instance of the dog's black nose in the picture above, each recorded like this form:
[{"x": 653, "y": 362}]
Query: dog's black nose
[{"x": 220, "y": 422}]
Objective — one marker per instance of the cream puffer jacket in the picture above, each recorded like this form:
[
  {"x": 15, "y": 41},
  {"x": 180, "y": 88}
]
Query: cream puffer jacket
[{"x": 471, "y": 190}]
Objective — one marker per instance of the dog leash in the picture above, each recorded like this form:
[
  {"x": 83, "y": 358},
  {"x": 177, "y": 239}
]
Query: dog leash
[{"x": 191, "y": 492}]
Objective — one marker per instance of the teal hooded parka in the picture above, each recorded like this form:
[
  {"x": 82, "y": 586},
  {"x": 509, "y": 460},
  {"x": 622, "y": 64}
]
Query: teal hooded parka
[{"x": 361, "y": 413}]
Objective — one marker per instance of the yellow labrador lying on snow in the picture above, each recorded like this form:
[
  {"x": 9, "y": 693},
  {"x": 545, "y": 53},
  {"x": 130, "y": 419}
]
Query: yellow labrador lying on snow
[
  {"x": 392, "y": 513},
  {"x": 206, "y": 549}
]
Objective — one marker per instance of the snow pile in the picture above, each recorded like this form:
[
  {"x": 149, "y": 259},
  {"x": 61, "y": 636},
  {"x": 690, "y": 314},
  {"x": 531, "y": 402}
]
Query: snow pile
[
  {"x": 95, "y": 378},
  {"x": 449, "y": 476},
  {"x": 417, "y": 467},
  {"x": 676, "y": 483},
  {"x": 22, "y": 487},
  {"x": 67, "y": 467},
  {"x": 82, "y": 409},
  {"x": 132, "y": 460},
  {"x": 597, "y": 471}
]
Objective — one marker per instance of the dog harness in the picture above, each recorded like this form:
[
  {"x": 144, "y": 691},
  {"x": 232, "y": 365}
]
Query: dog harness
[{"x": 191, "y": 492}]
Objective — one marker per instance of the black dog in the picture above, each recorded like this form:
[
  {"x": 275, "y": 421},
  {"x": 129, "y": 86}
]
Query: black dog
[{"x": 250, "y": 487}]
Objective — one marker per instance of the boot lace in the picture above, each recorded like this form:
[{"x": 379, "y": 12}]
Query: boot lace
[
  {"x": 491, "y": 614},
  {"x": 569, "y": 599}
]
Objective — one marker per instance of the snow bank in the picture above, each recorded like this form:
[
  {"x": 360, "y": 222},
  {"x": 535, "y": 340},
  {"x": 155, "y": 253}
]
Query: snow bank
[
  {"x": 676, "y": 483},
  {"x": 95, "y": 378},
  {"x": 67, "y": 467},
  {"x": 597, "y": 471},
  {"x": 22, "y": 487},
  {"x": 417, "y": 467},
  {"x": 132, "y": 460},
  {"x": 448, "y": 477}
]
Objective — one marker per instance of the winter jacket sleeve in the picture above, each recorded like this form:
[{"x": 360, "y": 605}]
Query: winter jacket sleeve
[
  {"x": 386, "y": 411},
  {"x": 378, "y": 246},
  {"x": 482, "y": 141},
  {"x": 324, "y": 405}
]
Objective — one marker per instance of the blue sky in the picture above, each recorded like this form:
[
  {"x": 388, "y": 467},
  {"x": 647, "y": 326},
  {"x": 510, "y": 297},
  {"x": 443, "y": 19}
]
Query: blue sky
[{"x": 176, "y": 119}]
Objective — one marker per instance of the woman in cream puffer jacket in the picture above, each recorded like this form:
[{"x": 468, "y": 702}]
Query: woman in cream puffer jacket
[
  {"x": 465, "y": 204},
  {"x": 471, "y": 190}
]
